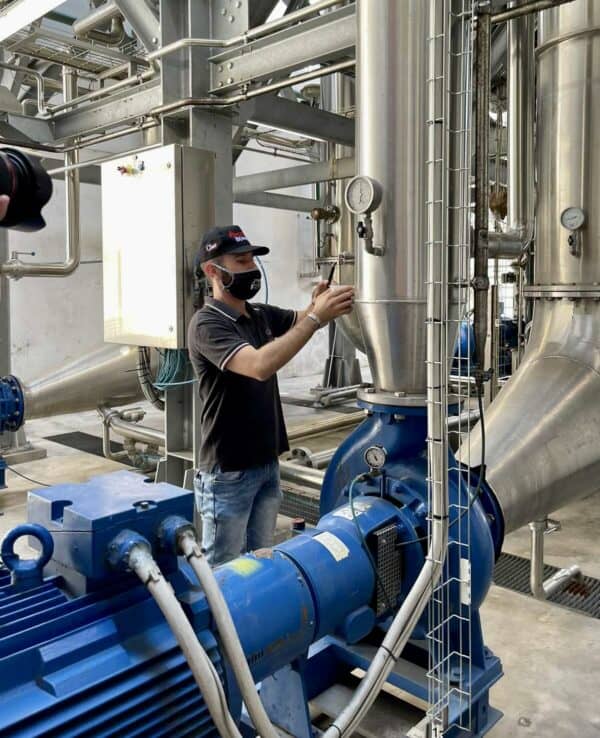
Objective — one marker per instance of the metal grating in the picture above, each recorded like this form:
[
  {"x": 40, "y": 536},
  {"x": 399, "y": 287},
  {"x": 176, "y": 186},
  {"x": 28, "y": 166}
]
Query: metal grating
[
  {"x": 298, "y": 505},
  {"x": 512, "y": 572}
]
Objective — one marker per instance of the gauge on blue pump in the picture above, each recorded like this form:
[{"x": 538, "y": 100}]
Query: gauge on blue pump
[{"x": 375, "y": 456}]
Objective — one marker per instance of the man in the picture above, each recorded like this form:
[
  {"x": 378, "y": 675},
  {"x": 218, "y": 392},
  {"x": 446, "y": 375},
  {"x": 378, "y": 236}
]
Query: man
[
  {"x": 236, "y": 348},
  {"x": 4, "y": 203}
]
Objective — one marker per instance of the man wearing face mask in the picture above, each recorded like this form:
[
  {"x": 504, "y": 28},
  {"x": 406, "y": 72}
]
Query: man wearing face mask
[{"x": 236, "y": 348}]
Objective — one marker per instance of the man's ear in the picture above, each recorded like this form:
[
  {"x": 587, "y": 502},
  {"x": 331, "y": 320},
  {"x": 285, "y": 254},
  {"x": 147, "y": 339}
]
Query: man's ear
[{"x": 209, "y": 270}]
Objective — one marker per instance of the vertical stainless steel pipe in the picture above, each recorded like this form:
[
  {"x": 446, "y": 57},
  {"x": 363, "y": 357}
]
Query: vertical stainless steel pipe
[
  {"x": 482, "y": 187},
  {"x": 521, "y": 117},
  {"x": 391, "y": 143},
  {"x": 14, "y": 267},
  {"x": 343, "y": 98}
]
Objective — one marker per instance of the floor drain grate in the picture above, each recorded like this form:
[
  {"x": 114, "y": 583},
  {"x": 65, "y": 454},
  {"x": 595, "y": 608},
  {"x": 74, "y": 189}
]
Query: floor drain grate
[{"x": 512, "y": 572}]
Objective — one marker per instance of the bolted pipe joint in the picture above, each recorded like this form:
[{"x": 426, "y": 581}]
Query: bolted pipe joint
[{"x": 174, "y": 533}]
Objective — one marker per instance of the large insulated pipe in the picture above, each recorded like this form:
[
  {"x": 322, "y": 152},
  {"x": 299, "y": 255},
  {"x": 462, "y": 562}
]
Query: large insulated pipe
[
  {"x": 543, "y": 431},
  {"x": 106, "y": 376},
  {"x": 391, "y": 148}
]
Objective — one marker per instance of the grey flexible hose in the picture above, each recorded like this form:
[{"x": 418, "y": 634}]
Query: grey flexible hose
[
  {"x": 207, "y": 679},
  {"x": 231, "y": 643}
]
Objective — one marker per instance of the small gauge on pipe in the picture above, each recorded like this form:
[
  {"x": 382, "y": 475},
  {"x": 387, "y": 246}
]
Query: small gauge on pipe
[
  {"x": 375, "y": 456},
  {"x": 572, "y": 218},
  {"x": 363, "y": 195}
]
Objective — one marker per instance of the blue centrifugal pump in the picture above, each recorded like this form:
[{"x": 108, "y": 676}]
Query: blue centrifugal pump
[{"x": 85, "y": 650}]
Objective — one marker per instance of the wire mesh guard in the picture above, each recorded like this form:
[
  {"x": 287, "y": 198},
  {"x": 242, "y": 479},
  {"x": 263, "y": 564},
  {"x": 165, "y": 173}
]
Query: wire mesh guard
[{"x": 450, "y": 53}]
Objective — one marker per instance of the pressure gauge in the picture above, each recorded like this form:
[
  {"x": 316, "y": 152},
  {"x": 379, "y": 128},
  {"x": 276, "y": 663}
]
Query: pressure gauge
[
  {"x": 363, "y": 195},
  {"x": 375, "y": 456},
  {"x": 572, "y": 218}
]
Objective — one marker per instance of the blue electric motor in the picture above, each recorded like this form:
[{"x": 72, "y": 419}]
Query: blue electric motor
[{"x": 85, "y": 651}]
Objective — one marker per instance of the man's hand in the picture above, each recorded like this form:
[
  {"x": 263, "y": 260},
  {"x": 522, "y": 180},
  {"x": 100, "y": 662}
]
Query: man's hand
[
  {"x": 333, "y": 302},
  {"x": 4, "y": 203},
  {"x": 318, "y": 290}
]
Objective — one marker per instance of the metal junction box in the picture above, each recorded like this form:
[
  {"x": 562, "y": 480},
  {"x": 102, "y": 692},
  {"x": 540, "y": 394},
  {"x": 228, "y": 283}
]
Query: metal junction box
[{"x": 155, "y": 207}]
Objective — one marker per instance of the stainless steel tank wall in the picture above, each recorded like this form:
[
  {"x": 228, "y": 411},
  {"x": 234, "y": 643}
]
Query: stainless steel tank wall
[
  {"x": 391, "y": 148},
  {"x": 543, "y": 430}
]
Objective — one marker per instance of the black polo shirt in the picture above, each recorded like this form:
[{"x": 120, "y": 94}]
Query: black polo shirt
[{"x": 241, "y": 418}]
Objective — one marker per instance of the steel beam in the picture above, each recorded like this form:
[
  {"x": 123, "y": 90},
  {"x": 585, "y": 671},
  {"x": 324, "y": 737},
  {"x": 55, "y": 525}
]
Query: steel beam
[
  {"x": 325, "y": 38},
  {"x": 285, "y": 115},
  {"x": 127, "y": 106}
]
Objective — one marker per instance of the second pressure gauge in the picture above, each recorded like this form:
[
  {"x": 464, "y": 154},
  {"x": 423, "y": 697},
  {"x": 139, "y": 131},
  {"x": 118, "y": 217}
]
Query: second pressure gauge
[
  {"x": 375, "y": 456},
  {"x": 363, "y": 195},
  {"x": 572, "y": 218}
]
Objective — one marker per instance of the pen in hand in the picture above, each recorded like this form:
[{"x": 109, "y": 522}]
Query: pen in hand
[{"x": 330, "y": 277}]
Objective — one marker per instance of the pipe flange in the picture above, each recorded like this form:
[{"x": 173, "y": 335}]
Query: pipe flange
[
  {"x": 12, "y": 404},
  {"x": 562, "y": 291}
]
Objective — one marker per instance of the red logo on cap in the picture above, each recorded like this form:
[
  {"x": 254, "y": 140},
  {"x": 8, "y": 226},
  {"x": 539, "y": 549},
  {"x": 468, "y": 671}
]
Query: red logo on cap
[{"x": 237, "y": 235}]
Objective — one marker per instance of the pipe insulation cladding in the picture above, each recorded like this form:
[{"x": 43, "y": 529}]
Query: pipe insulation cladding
[{"x": 543, "y": 431}]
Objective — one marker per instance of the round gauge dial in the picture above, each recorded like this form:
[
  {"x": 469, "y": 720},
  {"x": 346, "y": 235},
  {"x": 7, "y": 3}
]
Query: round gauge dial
[
  {"x": 572, "y": 218},
  {"x": 363, "y": 195},
  {"x": 375, "y": 456}
]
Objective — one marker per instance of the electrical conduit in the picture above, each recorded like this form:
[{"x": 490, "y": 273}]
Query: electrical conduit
[
  {"x": 187, "y": 544},
  {"x": 138, "y": 558}
]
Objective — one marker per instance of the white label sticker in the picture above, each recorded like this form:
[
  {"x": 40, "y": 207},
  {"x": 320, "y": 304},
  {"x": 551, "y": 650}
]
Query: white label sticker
[
  {"x": 465, "y": 581},
  {"x": 346, "y": 512},
  {"x": 336, "y": 548}
]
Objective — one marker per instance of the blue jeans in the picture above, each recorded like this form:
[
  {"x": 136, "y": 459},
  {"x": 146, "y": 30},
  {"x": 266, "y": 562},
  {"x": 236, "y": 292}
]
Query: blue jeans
[{"x": 239, "y": 510}]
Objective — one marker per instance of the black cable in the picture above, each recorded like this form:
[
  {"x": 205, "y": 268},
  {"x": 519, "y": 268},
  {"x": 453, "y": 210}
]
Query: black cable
[
  {"x": 29, "y": 479},
  {"x": 481, "y": 477}
]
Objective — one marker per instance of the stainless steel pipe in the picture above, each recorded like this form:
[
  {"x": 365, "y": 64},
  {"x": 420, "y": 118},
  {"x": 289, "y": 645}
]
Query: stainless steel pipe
[
  {"x": 518, "y": 11},
  {"x": 326, "y": 426},
  {"x": 98, "y": 17},
  {"x": 338, "y": 95},
  {"x": 105, "y": 376},
  {"x": 543, "y": 430},
  {"x": 15, "y": 268},
  {"x": 39, "y": 81},
  {"x": 304, "y": 476},
  {"x": 250, "y": 35},
  {"x": 543, "y": 589},
  {"x": 128, "y": 429},
  {"x": 141, "y": 18},
  {"x": 321, "y": 171},
  {"x": 391, "y": 148}
]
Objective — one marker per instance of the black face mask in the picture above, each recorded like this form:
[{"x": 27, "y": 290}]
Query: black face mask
[{"x": 242, "y": 285}]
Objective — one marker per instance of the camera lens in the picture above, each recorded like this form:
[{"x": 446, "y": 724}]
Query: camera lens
[{"x": 29, "y": 187}]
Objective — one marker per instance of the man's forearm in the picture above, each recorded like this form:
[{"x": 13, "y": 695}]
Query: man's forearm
[{"x": 272, "y": 356}]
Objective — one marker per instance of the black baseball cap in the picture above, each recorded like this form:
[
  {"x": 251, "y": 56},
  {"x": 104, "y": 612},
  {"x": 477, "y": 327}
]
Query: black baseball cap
[{"x": 226, "y": 240}]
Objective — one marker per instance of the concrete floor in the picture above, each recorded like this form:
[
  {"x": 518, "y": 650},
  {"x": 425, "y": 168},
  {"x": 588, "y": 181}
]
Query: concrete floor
[{"x": 551, "y": 656}]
